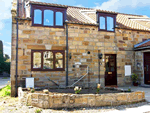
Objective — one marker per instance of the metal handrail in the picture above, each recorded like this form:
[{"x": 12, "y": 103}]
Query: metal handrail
[
  {"x": 51, "y": 80},
  {"x": 80, "y": 78}
]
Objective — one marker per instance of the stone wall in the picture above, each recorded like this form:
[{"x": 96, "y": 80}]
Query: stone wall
[
  {"x": 82, "y": 38},
  {"x": 139, "y": 56},
  {"x": 78, "y": 100}
]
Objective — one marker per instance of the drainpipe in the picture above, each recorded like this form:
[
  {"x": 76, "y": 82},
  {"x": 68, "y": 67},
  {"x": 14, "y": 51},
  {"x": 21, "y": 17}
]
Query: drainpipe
[
  {"x": 66, "y": 54},
  {"x": 16, "y": 79},
  {"x": 98, "y": 67}
]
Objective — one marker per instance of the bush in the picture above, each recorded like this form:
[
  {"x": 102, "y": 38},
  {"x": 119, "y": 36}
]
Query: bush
[
  {"x": 4, "y": 64},
  {"x": 6, "y": 91}
]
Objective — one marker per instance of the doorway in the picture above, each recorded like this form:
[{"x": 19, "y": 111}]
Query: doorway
[
  {"x": 110, "y": 70},
  {"x": 147, "y": 68}
]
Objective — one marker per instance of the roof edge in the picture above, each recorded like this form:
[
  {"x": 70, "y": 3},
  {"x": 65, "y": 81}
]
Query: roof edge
[
  {"x": 65, "y": 6},
  {"x": 139, "y": 44}
]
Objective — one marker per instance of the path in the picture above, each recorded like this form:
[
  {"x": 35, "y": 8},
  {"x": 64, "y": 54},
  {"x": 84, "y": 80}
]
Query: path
[{"x": 4, "y": 81}]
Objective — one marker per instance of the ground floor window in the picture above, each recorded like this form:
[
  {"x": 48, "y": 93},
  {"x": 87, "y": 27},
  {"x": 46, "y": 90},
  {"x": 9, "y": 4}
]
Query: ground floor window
[{"x": 47, "y": 60}]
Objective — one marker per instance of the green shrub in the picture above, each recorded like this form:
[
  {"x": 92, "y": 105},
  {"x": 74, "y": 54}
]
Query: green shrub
[
  {"x": 6, "y": 91},
  {"x": 38, "y": 111},
  {"x": 134, "y": 77}
]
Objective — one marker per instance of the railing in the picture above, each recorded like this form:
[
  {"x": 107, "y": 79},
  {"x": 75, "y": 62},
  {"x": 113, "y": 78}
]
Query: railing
[
  {"x": 80, "y": 78},
  {"x": 52, "y": 81},
  {"x": 74, "y": 82}
]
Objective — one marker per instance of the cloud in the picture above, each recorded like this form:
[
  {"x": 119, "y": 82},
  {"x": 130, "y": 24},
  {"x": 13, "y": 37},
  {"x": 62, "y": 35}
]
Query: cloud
[
  {"x": 5, "y": 13},
  {"x": 8, "y": 43},
  {"x": 117, "y": 5},
  {"x": 80, "y": 5},
  {"x": 7, "y": 50}
]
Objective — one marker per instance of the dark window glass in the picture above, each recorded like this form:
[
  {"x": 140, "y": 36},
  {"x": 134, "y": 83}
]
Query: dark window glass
[
  {"x": 110, "y": 24},
  {"x": 48, "y": 17},
  {"x": 37, "y": 16},
  {"x": 59, "y": 19},
  {"x": 102, "y": 22}
]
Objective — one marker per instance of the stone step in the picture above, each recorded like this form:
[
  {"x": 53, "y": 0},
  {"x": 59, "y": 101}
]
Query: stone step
[{"x": 145, "y": 86}]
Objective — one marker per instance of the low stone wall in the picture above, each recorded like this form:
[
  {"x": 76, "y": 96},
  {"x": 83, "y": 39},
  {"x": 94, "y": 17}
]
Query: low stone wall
[{"x": 79, "y": 100}]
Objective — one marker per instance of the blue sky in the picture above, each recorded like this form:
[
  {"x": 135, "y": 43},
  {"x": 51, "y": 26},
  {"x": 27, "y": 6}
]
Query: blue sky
[{"x": 140, "y": 7}]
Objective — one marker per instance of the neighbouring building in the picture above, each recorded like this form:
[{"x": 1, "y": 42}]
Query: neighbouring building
[{"x": 123, "y": 40}]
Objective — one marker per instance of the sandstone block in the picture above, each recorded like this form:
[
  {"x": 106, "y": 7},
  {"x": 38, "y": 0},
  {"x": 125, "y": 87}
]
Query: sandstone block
[
  {"x": 58, "y": 47},
  {"x": 35, "y": 47},
  {"x": 86, "y": 43},
  {"x": 45, "y": 104},
  {"x": 39, "y": 41},
  {"x": 34, "y": 96},
  {"x": 28, "y": 40},
  {"x": 125, "y": 38},
  {"x": 28, "y": 31},
  {"x": 107, "y": 37}
]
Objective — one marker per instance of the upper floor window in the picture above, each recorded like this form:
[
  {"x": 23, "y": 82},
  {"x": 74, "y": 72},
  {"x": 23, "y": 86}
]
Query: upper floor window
[
  {"x": 48, "y": 16},
  {"x": 106, "y": 22},
  {"x": 37, "y": 16}
]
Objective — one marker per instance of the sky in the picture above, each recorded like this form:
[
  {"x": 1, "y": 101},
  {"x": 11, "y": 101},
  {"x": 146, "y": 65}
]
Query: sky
[{"x": 139, "y": 7}]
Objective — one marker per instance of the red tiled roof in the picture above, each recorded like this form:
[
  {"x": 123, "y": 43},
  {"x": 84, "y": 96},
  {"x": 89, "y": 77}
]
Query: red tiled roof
[{"x": 145, "y": 44}]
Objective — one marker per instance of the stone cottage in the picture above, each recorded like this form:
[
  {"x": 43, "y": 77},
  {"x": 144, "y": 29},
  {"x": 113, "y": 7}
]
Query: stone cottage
[{"x": 49, "y": 34}]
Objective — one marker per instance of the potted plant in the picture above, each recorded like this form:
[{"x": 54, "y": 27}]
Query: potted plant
[{"x": 134, "y": 78}]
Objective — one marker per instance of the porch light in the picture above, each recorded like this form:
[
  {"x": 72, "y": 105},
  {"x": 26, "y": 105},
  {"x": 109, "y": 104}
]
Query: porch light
[
  {"x": 70, "y": 56},
  {"x": 138, "y": 64},
  {"x": 100, "y": 55},
  {"x": 88, "y": 52}
]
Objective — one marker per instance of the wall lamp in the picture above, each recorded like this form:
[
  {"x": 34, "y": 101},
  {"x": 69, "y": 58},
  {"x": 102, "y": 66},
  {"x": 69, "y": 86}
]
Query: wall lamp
[{"x": 70, "y": 56}]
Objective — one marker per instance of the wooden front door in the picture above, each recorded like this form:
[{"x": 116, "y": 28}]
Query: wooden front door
[
  {"x": 110, "y": 70},
  {"x": 147, "y": 67}
]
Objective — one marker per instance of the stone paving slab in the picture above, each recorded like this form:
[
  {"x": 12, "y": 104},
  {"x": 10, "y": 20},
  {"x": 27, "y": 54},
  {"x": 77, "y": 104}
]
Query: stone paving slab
[{"x": 140, "y": 109}]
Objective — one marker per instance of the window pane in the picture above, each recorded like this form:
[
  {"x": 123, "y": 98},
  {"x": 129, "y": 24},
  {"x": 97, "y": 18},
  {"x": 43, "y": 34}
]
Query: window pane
[
  {"x": 110, "y": 24},
  {"x": 102, "y": 22},
  {"x": 48, "y": 18},
  {"x": 59, "y": 60},
  {"x": 59, "y": 18},
  {"x": 47, "y": 60},
  {"x": 36, "y": 60},
  {"x": 37, "y": 16}
]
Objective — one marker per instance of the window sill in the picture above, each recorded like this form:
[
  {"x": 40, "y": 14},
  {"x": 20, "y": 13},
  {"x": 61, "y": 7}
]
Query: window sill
[
  {"x": 37, "y": 25},
  {"x": 105, "y": 30},
  {"x": 47, "y": 70}
]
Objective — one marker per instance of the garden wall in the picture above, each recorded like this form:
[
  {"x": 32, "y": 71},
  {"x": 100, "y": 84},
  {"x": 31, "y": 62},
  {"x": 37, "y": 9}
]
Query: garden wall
[{"x": 60, "y": 100}]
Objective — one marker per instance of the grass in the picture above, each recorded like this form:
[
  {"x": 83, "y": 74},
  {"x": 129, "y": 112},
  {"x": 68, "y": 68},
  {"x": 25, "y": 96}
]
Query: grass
[
  {"x": 6, "y": 91},
  {"x": 5, "y": 78},
  {"x": 38, "y": 111}
]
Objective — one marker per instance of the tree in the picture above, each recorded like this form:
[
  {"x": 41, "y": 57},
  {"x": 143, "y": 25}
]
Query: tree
[{"x": 4, "y": 62}]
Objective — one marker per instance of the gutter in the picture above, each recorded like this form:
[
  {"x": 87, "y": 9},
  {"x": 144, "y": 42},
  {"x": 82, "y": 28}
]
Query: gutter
[
  {"x": 66, "y": 54},
  {"x": 16, "y": 75},
  {"x": 141, "y": 48}
]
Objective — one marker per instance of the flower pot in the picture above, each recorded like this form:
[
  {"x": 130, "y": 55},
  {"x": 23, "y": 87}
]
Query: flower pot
[{"x": 135, "y": 83}]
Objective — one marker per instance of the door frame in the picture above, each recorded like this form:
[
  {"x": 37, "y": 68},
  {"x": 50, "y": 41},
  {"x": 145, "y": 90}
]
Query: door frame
[
  {"x": 144, "y": 67},
  {"x": 115, "y": 69}
]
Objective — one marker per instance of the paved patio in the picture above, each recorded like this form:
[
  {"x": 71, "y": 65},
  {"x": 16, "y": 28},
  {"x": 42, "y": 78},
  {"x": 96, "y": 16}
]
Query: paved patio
[{"x": 4, "y": 81}]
